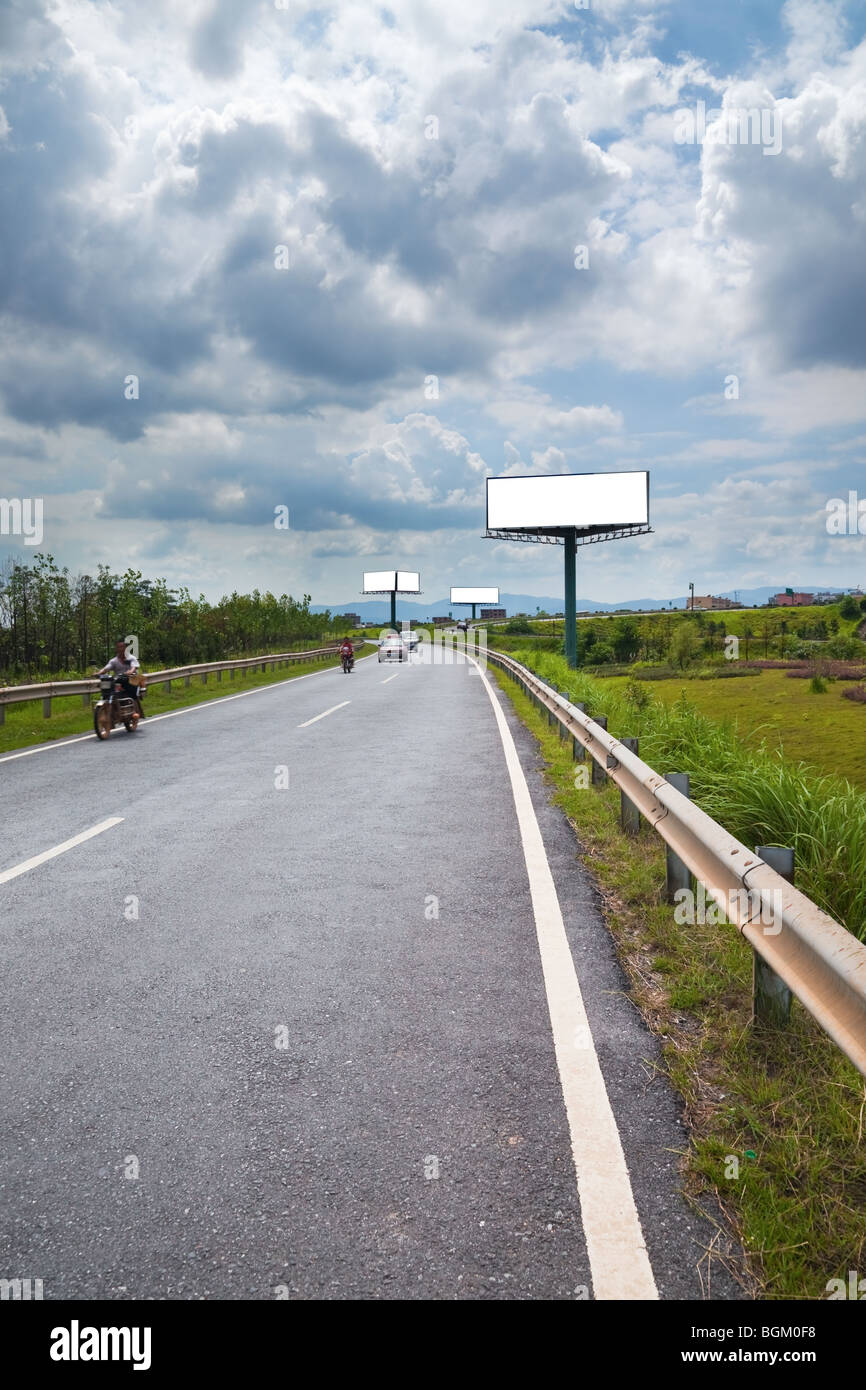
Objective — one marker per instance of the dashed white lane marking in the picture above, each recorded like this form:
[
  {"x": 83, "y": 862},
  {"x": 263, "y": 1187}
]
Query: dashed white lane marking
[
  {"x": 390, "y": 678},
  {"x": 47, "y": 854},
  {"x": 325, "y": 712},
  {"x": 614, "y": 1240},
  {"x": 171, "y": 714}
]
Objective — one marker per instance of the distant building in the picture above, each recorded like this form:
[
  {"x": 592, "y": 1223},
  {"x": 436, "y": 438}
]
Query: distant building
[
  {"x": 710, "y": 603},
  {"x": 351, "y": 619},
  {"x": 493, "y": 615},
  {"x": 793, "y": 600},
  {"x": 442, "y": 622}
]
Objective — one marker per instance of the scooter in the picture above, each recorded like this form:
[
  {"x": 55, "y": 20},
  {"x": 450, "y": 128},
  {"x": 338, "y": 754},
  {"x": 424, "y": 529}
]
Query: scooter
[{"x": 115, "y": 706}]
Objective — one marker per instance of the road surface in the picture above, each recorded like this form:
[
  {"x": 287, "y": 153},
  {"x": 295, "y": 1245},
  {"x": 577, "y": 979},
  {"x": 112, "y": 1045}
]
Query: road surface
[{"x": 300, "y": 1018}]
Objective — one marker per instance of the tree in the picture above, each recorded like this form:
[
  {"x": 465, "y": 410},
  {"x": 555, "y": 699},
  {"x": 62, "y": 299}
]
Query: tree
[
  {"x": 849, "y": 608},
  {"x": 626, "y": 640},
  {"x": 685, "y": 645},
  {"x": 748, "y": 634}
]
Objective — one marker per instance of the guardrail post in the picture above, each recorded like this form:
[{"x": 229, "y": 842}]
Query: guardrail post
[
  {"x": 677, "y": 874},
  {"x": 578, "y": 752},
  {"x": 563, "y": 728},
  {"x": 187, "y": 679},
  {"x": 219, "y": 675},
  {"x": 629, "y": 815},
  {"x": 599, "y": 775},
  {"x": 2, "y": 714},
  {"x": 85, "y": 700},
  {"x": 166, "y": 685},
  {"x": 771, "y": 998},
  {"x": 46, "y": 707},
  {"x": 204, "y": 677},
  {"x": 232, "y": 674}
]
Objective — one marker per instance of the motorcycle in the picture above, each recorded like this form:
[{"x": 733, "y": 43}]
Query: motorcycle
[
  {"x": 115, "y": 706},
  {"x": 348, "y": 663}
]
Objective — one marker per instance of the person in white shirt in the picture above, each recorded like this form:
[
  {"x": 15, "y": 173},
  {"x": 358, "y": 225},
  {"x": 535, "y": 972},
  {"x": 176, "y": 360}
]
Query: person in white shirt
[{"x": 125, "y": 668}]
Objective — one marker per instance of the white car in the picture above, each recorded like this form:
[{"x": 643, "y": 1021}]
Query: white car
[{"x": 393, "y": 648}]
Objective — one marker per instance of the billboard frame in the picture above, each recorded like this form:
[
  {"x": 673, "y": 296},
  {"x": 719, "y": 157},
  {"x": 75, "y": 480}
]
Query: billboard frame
[
  {"x": 473, "y": 603},
  {"x": 570, "y": 537},
  {"x": 394, "y": 591},
  {"x": 531, "y": 532}
]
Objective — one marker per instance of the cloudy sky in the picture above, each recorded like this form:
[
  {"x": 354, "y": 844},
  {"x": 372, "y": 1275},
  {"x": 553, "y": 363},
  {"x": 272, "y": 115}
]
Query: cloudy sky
[{"x": 337, "y": 246}]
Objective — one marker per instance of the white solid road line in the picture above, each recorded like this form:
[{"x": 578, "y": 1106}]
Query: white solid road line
[
  {"x": 171, "y": 714},
  {"x": 46, "y": 747},
  {"x": 390, "y": 678},
  {"x": 60, "y": 849},
  {"x": 614, "y": 1240},
  {"x": 325, "y": 712}
]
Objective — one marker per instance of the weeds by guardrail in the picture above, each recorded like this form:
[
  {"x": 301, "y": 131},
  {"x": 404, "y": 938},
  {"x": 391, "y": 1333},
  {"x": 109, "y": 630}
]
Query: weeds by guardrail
[{"x": 797, "y": 945}]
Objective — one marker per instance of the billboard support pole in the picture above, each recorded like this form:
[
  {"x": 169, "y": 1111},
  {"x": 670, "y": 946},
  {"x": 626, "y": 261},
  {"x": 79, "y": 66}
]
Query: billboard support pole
[
  {"x": 393, "y": 610},
  {"x": 473, "y": 612},
  {"x": 571, "y": 597}
]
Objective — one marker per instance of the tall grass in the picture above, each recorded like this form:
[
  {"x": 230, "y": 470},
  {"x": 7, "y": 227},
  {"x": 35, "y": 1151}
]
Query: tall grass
[{"x": 753, "y": 792}]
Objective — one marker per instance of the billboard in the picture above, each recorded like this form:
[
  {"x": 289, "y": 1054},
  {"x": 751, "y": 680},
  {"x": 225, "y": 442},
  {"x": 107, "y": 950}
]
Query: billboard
[
  {"x": 554, "y": 501},
  {"x": 377, "y": 581},
  {"x": 476, "y": 595},
  {"x": 389, "y": 581}
]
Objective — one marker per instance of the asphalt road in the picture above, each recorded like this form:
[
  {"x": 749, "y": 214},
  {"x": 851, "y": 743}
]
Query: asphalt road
[{"x": 265, "y": 1040}]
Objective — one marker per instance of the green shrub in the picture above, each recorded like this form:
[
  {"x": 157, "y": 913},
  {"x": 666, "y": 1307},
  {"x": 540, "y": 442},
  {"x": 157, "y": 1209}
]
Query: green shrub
[{"x": 636, "y": 694}]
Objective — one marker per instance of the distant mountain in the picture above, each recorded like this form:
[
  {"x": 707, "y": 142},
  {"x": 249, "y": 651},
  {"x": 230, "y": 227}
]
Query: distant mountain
[{"x": 379, "y": 610}]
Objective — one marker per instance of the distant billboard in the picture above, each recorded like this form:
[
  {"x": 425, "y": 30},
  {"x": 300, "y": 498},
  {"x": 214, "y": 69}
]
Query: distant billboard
[
  {"x": 389, "y": 581},
  {"x": 379, "y": 581},
  {"x": 476, "y": 595},
  {"x": 552, "y": 502}
]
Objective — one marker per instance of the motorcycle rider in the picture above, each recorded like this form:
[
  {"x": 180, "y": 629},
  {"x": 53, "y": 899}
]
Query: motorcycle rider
[
  {"x": 347, "y": 650},
  {"x": 125, "y": 669}
]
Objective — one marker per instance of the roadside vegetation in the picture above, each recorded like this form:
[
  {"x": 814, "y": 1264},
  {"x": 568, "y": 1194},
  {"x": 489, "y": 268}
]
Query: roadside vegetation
[
  {"x": 57, "y": 626},
  {"x": 689, "y": 642},
  {"x": 752, "y": 790},
  {"x": 781, "y": 710},
  {"x": 776, "y": 1118}
]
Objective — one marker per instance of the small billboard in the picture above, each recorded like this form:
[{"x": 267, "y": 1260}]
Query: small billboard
[
  {"x": 554, "y": 502},
  {"x": 474, "y": 595},
  {"x": 408, "y": 582}
]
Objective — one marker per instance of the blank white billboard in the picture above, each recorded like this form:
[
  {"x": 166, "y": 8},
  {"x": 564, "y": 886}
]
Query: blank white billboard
[
  {"x": 474, "y": 595},
  {"x": 377, "y": 580},
  {"x": 408, "y": 582},
  {"x": 554, "y": 501}
]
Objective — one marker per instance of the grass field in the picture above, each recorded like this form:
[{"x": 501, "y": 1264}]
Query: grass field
[
  {"x": 776, "y": 1119},
  {"x": 826, "y": 731},
  {"x": 25, "y": 726}
]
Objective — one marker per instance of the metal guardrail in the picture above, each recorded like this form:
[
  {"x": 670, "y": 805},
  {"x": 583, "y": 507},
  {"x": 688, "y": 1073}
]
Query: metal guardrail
[
  {"x": 821, "y": 962},
  {"x": 53, "y": 690}
]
